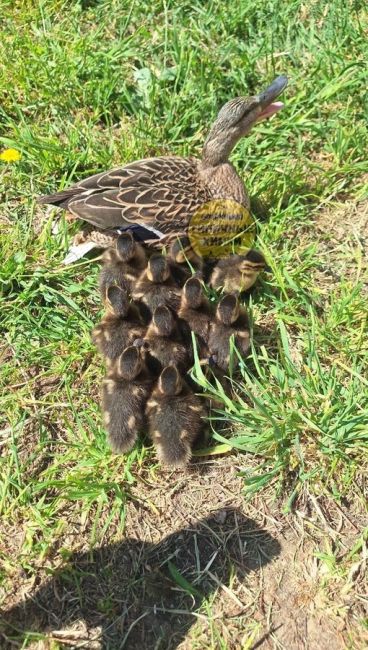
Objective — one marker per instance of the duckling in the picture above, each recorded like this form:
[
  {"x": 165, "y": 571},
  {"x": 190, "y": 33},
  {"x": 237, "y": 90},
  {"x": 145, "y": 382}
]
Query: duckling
[
  {"x": 156, "y": 286},
  {"x": 229, "y": 320},
  {"x": 122, "y": 265},
  {"x": 174, "y": 418},
  {"x": 195, "y": 312},
  {"x": 119, "y": 327},
  {"x": 162, "y": 340},
  {"x": 184, "y": 261},
  {"x": 237, "y": 273},
  {"x": 125, "y": 391}
]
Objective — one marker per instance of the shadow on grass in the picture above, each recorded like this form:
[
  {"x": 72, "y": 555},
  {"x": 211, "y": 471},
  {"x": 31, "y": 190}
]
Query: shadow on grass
[{"x": 134, "y": 591}]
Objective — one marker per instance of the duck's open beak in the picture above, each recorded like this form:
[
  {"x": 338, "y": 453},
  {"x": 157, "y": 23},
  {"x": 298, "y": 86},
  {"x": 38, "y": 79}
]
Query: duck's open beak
[{"x": 267, "y": 97}]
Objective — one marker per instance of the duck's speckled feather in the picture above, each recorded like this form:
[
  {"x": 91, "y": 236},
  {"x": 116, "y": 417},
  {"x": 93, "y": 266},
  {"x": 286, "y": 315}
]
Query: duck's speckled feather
[{"x": 158, "y": 191}]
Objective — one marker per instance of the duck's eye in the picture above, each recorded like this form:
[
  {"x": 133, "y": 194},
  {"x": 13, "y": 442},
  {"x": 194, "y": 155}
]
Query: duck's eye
[{"x": 247, "y": 110}]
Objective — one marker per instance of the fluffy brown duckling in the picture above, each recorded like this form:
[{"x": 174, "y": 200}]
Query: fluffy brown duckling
[
  {"x": 162, "y": 342},
  {"x": 196, "y": 313},
  {"x": 175, "y": 418},
  {"x": 156, "y": 285},
  {"x": 184, "y": 261},
  {"x": 123, "y": 264},
  {"x": 120, "y": 326},
  {"x": 237, "y": 273},
  {"x": 125, "y": 391},
  {"x": 230, "y": 319}
]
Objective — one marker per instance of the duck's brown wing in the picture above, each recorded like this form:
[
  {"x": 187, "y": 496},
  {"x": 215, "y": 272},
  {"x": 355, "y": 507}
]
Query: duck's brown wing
[{"x": 156, "y": 192}]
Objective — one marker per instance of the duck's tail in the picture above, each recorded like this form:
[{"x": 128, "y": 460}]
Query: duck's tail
[{"x": 60, "y": 199}]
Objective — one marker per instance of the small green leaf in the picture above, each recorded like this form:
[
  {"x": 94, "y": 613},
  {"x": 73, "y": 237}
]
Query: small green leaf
[{"x": 182, "y": 582}]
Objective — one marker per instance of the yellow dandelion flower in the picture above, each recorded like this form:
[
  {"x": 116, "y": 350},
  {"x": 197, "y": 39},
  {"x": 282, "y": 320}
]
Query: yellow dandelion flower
[{"x": 10, "y": 155}]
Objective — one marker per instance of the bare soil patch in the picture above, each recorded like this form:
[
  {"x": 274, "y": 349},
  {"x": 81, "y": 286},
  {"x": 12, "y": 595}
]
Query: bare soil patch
[
  {"x": 127, "y": 592},
  {"x": 311, "y": 605},
  {"x": 342, "y": 234},
  {"x": 257, "y": 568}
]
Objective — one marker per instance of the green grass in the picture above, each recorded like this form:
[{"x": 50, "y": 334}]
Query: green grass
[{"x": 89, "y": 85}]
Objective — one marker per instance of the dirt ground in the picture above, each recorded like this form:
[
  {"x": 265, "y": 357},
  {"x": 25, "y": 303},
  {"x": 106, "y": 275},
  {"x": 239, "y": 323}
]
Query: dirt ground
[
  {"x": 259, "y": 568},
  {"x": 342, "y": 235}
]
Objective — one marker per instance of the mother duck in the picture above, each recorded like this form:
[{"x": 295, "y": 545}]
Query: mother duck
[{"x": 159, "y": 196}]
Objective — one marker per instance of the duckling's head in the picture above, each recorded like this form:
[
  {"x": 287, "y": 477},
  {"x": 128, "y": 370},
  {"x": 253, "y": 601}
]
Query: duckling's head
[
  {"x": 228, "y": 309},
  {"x": 130, "y": 363},
  {"x": 192, "y": 293},
  {"x": 236, "y": 119},
  {"x": 158, "y": 269},
  {"x": 125, "y": 246},
  {"x": 181, "y": 251},
  {"x": 117, "y": 302},
  {"x": 250, "y": 266},
  {"x": 170, "y": 381},
  {"x": 163, "y": 321},
  {"x": 254, "y": 259}
]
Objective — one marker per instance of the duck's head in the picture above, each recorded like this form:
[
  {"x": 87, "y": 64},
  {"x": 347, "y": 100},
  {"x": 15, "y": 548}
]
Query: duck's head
[
  {"x": 192, "y": 293},
  {"x": 170, "y": 381},
  {"x": 228, "y": 309},
  {"x": 117, "y": 302},
  {"x": 237, "y": 117},
  {"x": 158, "y": 269},
  {"x": 125, "y": 246},
  {"x": 163, "y": 321},
  {"x": 130, "y": 363}
]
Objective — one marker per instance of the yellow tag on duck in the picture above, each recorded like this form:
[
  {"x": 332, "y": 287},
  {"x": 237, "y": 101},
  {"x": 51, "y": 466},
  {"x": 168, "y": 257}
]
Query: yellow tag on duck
[{"x": 221, "y": 227}]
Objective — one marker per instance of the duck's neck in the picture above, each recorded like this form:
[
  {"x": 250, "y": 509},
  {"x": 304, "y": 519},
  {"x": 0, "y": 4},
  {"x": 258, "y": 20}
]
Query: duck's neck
[
  {"x": 218, "y": 147},
  {"x": 216, "y": 171},
  {"x": 223, "y": 182}
]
